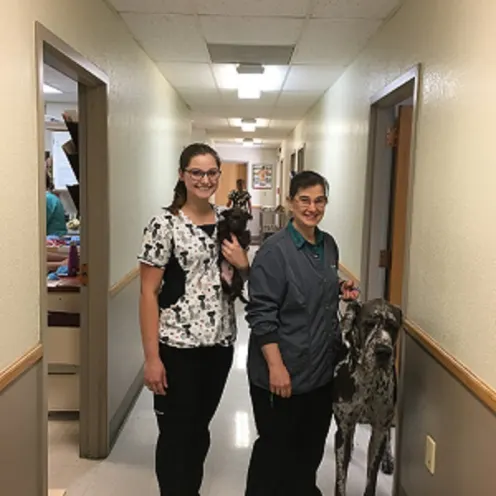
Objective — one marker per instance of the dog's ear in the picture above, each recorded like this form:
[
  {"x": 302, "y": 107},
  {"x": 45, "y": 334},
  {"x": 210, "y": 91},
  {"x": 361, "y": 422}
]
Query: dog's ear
[
  {"x": 349, "y": 325},
  {"x": 398, "y": 314}
]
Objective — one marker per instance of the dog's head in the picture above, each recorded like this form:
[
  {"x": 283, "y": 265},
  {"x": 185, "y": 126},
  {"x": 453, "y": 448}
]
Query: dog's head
[
  {"x": 237, "y": 220},
  {"x": 370, "y": 331}
]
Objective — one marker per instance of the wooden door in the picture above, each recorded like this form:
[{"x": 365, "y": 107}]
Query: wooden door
[
  {"x": 399, "y": 197},
  {"x": 231, "y": 172}
]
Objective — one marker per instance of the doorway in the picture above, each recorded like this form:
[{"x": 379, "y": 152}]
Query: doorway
[
  {"x": 74, "y": 280},
  {"x": 388, "y": 205},
  {"x": 388, "y": 191},
  {"x": 231, "y": 172}
]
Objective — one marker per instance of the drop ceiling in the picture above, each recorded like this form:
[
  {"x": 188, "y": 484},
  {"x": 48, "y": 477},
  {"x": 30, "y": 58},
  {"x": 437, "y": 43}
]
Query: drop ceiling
[
  {"x": 322, "y": 37},
  {"x": 67, "y": 86}
]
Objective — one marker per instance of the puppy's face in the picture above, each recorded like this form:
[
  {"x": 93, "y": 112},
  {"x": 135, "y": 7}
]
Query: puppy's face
[
  {"x": 237, "y": 219},
  {"x": 373, "y": 328}
]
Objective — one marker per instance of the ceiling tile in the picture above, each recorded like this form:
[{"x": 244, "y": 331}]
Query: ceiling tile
[
  {"x": 155, "y": 6},
  {"x": 168, "y": 38},
  {"x": 305, "y": 78},
  {"x": 251, "y": 30},
  {"x": 227, "y": 77},
  {"x": 209, "y": 122},
  {"x": 230, "y": 110},
  {"x": 292, "y": 112},
  {"x": 184, "y": 75},
  {"x": 259, "y": 8},
  {"x": 267, "y": 99},
  {"x": 58, "y": 80},
  {"x": 358, "y": 9},
  {"x": 198, "y": 98},
  {"x": 283, "y": 124},
  {"x": 337, "y": 42}
]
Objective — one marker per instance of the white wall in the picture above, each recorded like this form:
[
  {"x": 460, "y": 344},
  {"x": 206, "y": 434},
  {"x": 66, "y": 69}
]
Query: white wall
[
  {"x": 148, "y": 125},
  {"x": 451, "y": 282},
  {"x": 252, "y": 156}
]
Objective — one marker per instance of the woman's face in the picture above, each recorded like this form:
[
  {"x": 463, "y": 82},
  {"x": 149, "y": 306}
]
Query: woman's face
[
  {"x": 308, "y": 206},
  {"x": 201, "y": 177}
]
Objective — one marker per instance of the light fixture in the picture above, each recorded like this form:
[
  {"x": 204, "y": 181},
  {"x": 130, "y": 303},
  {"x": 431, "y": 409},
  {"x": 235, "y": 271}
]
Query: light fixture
[
  {"x": 248, "y": 125},
  {"x": 50, "y": 90},
  {"x": 248, "y": 142},
  {"x": 250, "y": 78}
]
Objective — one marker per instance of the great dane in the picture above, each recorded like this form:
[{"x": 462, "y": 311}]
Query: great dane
[{"x": 365, "y": 386}]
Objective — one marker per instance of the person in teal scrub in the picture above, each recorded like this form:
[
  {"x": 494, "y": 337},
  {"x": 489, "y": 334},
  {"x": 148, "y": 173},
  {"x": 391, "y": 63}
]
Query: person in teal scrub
[{"x": 55, "y": 215}]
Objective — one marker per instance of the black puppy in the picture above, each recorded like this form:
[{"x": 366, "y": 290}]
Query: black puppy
[{"x": 234, "y": 221}]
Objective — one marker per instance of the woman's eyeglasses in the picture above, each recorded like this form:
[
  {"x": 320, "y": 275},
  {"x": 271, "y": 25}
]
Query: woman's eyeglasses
[
  {"x": 306, "y": 201},
  {"x": 198, "y": 174}
]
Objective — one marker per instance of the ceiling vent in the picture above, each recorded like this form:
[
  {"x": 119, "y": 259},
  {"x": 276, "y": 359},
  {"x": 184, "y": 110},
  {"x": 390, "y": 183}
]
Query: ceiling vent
[{"x": 250, "y": 54}]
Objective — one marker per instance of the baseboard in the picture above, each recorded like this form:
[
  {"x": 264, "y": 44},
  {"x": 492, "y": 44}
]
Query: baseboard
[{"x": 122, "y": 413}]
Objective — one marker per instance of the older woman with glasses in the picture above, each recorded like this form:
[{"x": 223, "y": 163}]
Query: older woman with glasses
[{"x": 294, "y": 294}]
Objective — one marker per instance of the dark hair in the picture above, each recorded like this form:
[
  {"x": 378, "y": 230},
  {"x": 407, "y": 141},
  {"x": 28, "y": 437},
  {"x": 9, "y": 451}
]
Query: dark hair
[
  {"x": 307, "y": 179},
  {"x": 48, "y": 181},
  {"x": 190, "y": 152}
]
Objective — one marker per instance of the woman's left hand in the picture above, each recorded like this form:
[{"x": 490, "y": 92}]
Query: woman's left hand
[
  {"x": 348, "y": 291},
  {"x": 235, "y": 254}
]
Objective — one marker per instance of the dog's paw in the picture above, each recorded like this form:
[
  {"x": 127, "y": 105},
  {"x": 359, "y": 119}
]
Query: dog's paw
[{"x": 387, "y": 466}]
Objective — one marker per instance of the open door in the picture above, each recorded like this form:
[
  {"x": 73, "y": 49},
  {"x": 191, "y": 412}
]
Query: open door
[
  {"x": 231, "y": 172},
  {"x": 395, "y": 257}
]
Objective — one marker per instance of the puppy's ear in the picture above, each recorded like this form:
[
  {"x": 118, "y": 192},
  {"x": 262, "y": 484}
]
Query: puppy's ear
[{"x": 349, "y": 325}]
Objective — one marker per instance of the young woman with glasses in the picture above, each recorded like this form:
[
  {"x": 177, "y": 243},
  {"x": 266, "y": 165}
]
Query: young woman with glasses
[
  {"x": 188, "y": 325},
  {"x": 294, "y": 293}
]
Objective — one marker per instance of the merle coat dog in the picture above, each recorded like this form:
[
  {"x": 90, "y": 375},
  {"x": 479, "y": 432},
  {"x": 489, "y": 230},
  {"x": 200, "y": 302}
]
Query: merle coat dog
[
  {"x": 365, "y": 386},
  {"x": 233, "y": 221}
]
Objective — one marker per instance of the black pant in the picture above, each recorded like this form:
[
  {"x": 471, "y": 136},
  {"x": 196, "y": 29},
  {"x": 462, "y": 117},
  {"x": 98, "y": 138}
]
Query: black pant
[
  {"x": 196, "y": 380},
  {"x": 290, "y": 447}
]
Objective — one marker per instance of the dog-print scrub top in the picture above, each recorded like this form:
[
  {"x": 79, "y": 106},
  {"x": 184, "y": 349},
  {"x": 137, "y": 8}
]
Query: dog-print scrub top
[{"x": 194, "y": 311}]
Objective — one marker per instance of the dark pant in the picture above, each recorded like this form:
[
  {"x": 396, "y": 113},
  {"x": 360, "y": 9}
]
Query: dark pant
[
  {"x": 196, "y": 380},
  {"x": 290, "y": 447}
]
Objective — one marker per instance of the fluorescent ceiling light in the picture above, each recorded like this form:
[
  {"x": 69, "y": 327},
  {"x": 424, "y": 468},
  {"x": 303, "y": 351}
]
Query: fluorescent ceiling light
[
  {"x": 250, "y": 80},
  {"x": 249, "y": 91},
  {"x": 50, "y": 90},
  {"x": 248, "y": 125},
  {"x": 248, "y": 142}
]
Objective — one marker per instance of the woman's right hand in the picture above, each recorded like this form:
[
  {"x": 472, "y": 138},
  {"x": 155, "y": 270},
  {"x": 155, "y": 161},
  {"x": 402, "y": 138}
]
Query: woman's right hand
[
  {"x": 155, "y": 376},
  {"x": 280, "y": 380}
]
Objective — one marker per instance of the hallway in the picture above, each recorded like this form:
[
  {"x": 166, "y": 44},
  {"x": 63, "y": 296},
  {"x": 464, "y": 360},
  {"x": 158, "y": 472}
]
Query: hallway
[{"x": 128, "y": 471}]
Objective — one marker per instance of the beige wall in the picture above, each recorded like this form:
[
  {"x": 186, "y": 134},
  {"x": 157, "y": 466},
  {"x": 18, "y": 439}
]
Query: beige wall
[
  {"x": 451, "y": 289},
  {"x": 148, "y": 125}
]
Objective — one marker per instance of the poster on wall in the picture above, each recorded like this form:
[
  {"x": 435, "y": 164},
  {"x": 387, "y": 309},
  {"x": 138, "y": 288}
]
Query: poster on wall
[{"x": 262, "y": 176}]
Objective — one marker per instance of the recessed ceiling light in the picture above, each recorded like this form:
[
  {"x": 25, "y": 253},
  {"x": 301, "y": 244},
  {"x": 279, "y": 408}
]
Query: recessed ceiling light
[
  {"x": 248, "y": 142},
  {"x": 248, "y": 125},
  {"x": 250, "y": 81},
  {"x": 50, "y": 90}
]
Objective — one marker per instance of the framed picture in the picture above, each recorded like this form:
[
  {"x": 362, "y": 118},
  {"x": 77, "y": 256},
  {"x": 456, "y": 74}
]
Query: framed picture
[{"x": 262, "y": 176}]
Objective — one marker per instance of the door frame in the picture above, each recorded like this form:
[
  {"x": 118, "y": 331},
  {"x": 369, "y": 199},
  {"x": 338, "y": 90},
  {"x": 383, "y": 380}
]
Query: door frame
[
  {"x": 381, "y": 104},
  {"x": 93, "y": 143},
  {"x": 401, "y": 89}
]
